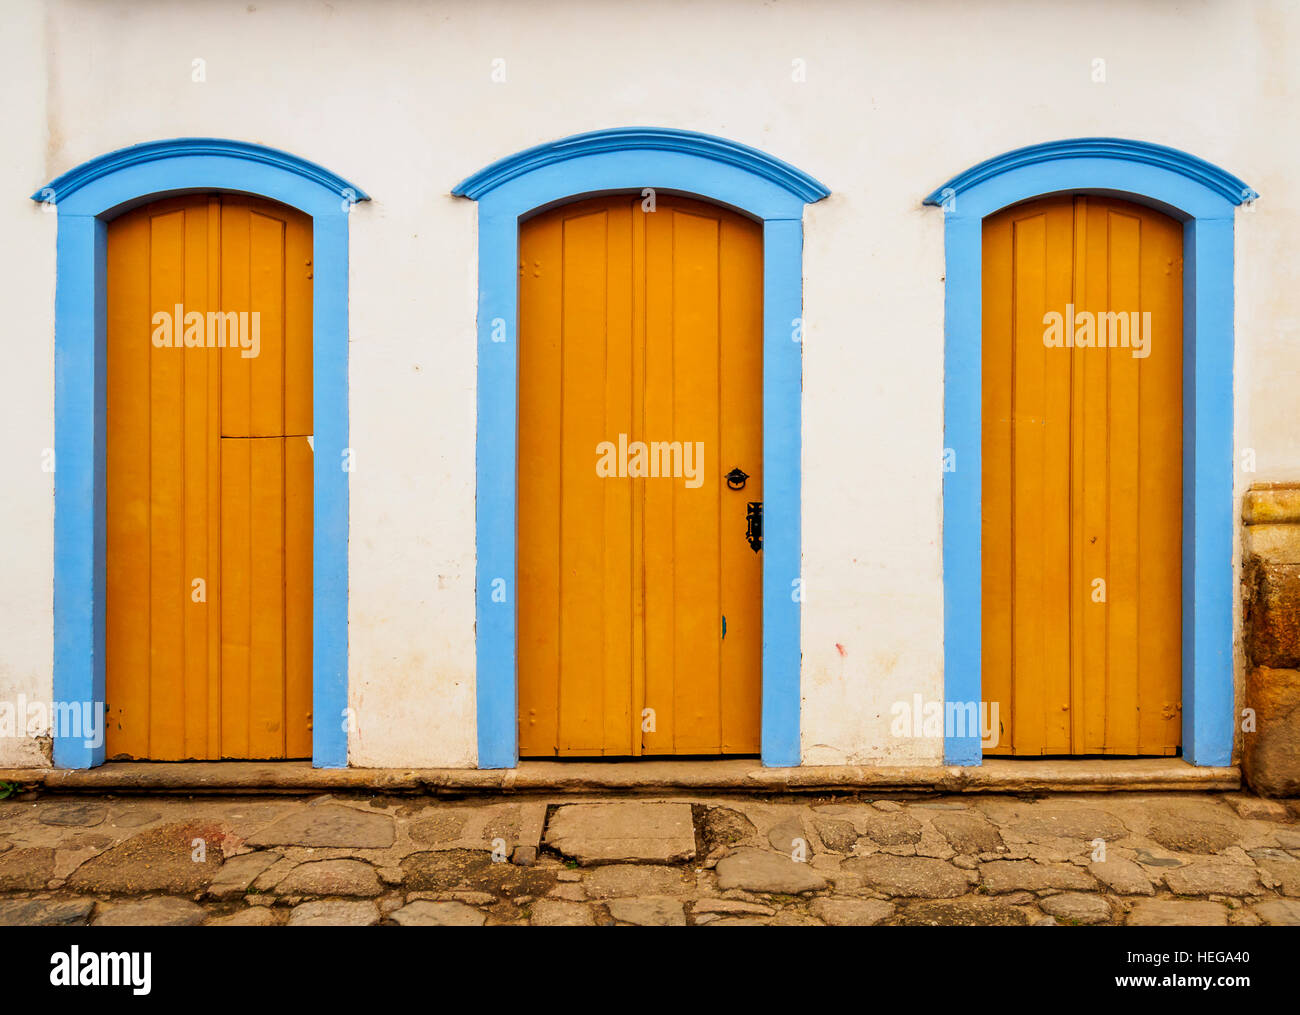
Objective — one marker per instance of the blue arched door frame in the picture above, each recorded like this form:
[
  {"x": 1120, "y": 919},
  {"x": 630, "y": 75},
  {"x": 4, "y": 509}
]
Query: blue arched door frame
[
  {"x": 1204, "y": 198},
  {"x": 632, "y": 159},
  {"x": 86, "y": 199}
]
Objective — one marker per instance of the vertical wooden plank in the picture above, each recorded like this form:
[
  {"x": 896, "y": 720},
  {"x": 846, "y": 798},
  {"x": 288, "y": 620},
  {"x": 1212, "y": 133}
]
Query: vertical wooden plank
[
  {"x": 266, "y": 299},
  {"x": 266, "y": 702},
  {"x": 1057, "y": 383},
  {"x": 129, "y": 348},
  {"x": 212, "y": 428},
  {"x": 1080, "y": 600},
  {"x": 538, "y": 560},
  {"x": 1028, "y": 453},
  {"x": 236, "y": 596},
  {"x": 637, "y": 433},
  {"x": 661, "y": 561},
  {"x": 740, "y": 373},
  {"x": 995, "y": 523},
  {"x": 617, "y": 619},
  {"x": 236, "y": 370},
  {"x": 696, "y": 383},
  {"x": 299, "y": 497},
  {"x": 1093, "y": 490},
  {"x": 298, "y": 466},
  {"x": 298, "y": 275},
  {"x": 1123, "y": 238},
  {"x": 168, "y": 587},
  {"x": 1160, "y": 445},
  {"x": 194, "y": 479},
  {"x": 582, "y": 543}
]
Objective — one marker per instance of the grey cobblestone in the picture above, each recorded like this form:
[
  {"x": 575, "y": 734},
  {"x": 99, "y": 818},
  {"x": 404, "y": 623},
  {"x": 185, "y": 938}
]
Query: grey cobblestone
[{"x": 1193, "y": 859}]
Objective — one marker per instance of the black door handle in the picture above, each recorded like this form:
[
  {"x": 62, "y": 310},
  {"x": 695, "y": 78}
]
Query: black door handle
[{"x": 754, "y": 525}]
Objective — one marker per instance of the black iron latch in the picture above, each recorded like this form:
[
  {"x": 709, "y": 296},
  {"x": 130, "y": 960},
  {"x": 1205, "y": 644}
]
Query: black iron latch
[{"x": 754, "y": 526}]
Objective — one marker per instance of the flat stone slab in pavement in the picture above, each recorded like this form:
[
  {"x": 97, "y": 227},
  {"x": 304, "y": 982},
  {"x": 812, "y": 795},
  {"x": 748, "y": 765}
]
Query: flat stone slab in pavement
[
  {"x": 45, "y": 913},
  {"x": 758, "y": 871},
  {"x": 623, "y": 832},
  {"x": 166, "y": 911},
  {"x": 329, "y": 825}
]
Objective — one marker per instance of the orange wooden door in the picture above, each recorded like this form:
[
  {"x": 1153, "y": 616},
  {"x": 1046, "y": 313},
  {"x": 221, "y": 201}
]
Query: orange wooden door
[
  {"x": 1082, "y": 477},
  {"x": 209, "y": 480},
  {"x": 639, "y": 595}
]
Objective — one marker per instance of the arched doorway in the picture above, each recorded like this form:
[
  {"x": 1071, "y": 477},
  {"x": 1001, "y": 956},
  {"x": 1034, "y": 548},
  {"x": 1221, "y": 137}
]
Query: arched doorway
[
  {"x": 640, "y": 391},
  {"x": 650, "y": 162},
  {"x": 1082, "y": 477},
  {"x": 88, "y": 199},
  {"x": 209, "y": 480},
  {"x": 1201, "y": 198}
]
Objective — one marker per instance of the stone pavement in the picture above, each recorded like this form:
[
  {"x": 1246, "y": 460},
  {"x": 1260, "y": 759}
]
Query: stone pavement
[{"x": 1063, "y": 859}]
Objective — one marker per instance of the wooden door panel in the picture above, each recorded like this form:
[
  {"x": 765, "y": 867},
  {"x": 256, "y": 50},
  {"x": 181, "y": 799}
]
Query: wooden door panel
[
  {"x": 1082, "y": 479},
  {"x": 201, "y": 598},
  {"x": 638, "y": 326}
]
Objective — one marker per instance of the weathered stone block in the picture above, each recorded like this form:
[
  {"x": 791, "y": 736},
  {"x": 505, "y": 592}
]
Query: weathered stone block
[
  {"x": 438, "y": 914},
  {"x": 1077, "y": 907},
  {"x": 329, "y": 825},
  {"x": 1270, "y": 504},
  {"x": 909, "y": 876},
  {"x": 652, "y": 912},
  {"x": 630, "y": 880},
  {"x": 1271, "y": 621},
  {"x": 553, "y": 913},
  {"x": 1028, "y": 875},
  {"x": 1122, "y": 876},
  {"x": 1271, "y": 754},
  {"x": 758, "y": 871},
  {"x": 160, "y": 912},
  {"x": 1272, "y": 613},
  {"x": 892, "y": 829},
  {"x": 968, "y": 832},
  {"x": 966, "y": 911},
  {"x": 1177, "y": 913},
  {"x": 1213, "y": 877},
  {"x": 331, "y": 877},
  {"x": 330, "y": 913},
  {"x": 625, "y": 831},
  {"x": 852, "y": 912}
]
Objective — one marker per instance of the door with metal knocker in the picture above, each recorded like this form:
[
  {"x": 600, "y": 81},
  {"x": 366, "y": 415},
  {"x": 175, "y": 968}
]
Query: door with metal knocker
[
  {"x": 640, "y": 479},
  {"x": 736, "y": 479}
]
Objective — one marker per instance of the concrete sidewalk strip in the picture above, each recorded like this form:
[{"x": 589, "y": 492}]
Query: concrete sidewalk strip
[{"x": 598, "y": 859}]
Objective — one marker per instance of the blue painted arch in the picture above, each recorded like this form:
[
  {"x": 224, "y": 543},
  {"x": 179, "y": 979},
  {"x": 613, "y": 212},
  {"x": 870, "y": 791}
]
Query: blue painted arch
[
  {"x": 1204, "y": 197},
  {"x": 622, "y": 160},
  {"x": 1095, "y": 151},
  {"x": 86, "y": 198}
]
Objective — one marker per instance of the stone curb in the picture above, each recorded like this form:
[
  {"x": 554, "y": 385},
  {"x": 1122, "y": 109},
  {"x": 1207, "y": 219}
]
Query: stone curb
[{"x": 743, "y": 776}]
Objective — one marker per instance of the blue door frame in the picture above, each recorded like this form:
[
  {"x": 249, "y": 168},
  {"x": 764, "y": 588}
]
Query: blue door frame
[
  {"x": 86, "y": 199},
  {"x": 1204, "y": 198},
  {"x": 632, "y": 159}
]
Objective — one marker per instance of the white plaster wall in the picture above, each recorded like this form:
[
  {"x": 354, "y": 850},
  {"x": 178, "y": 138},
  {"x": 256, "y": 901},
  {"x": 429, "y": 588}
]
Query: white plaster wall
[
  {"x": 397, "y": 96},
  {"x": 26, "y": 394}
]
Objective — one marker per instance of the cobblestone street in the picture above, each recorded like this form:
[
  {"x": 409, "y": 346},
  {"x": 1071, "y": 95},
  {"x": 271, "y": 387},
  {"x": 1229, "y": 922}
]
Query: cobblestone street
[{"x": 1152, "y": 858}]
